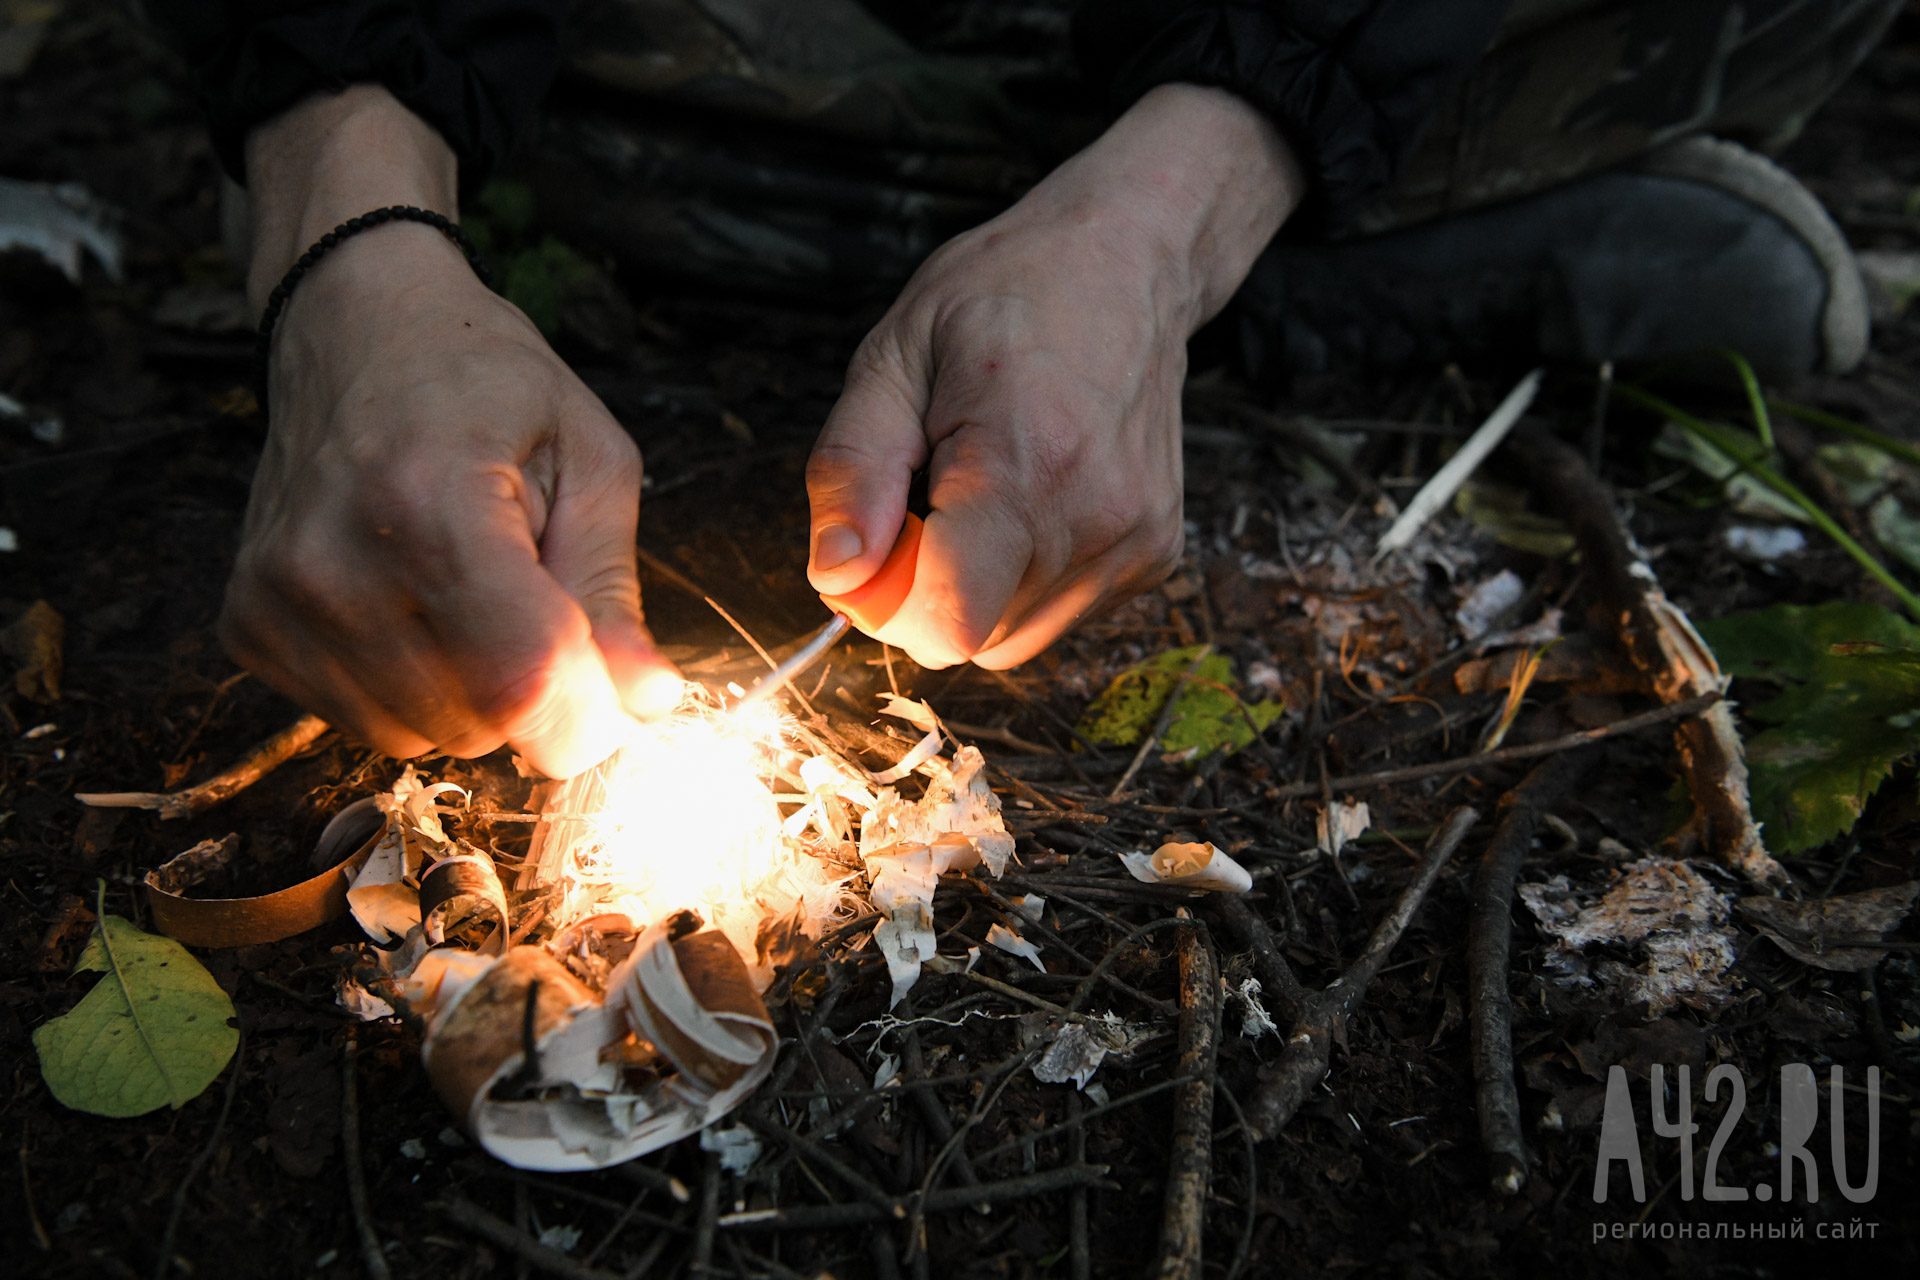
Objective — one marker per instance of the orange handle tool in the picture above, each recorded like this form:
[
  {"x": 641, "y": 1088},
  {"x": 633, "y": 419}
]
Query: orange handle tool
[{"x": 874, "y": 602}]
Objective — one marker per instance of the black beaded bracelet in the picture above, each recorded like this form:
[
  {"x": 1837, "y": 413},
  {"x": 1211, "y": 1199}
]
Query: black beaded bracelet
[{"x": 263, "y": 344}]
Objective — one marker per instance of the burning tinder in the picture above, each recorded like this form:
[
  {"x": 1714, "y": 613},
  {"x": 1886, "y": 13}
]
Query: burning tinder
[{"x": 658, "y": 894}]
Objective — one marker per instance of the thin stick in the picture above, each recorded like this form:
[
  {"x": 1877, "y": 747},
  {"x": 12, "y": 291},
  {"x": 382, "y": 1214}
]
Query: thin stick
[
  {"x": 1275, "y": 974},
  {"x": 1012, "y": 686},
  {"x": 709, "y": 1215},
  {"x": 930, "y": 1181},
  {"x": 863, "y": 1186},
  {"x": 515, "y": 1241},
  {"x": 764, "y": 655},
  {"x": 165, "y": 1263},
  {"x": 1597, "y": 427},
  {"x": 671, "y": 575},
  {"x": 939, "y": 1200},
  {"x": 1160, "y": 724},
  {"x": 1079, "y": 1245},
  {"x": 1190, "y": 1167},
  {"x": 1435, "y": 493},
  {"x": 371, "y": 1253},
  {"x": 659, "y": 1179},
  {"x": 1489, "y": 945},
  {"x": 1506, "y": 755},
  {"x": 1244, "y": 1248},
  {"x": 932, "y": 1113},
  {"x": 255, "y": 765},
  {"x": 1052, "y": 1131},
  {"x": 1303, "y": 1063}
]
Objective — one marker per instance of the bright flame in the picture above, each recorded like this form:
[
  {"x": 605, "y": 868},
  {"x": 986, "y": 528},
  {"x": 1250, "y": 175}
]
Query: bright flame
[{"x": 687, "y": 821}]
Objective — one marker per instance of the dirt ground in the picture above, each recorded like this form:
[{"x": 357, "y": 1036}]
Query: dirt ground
[{"x": 126, "y": 526}]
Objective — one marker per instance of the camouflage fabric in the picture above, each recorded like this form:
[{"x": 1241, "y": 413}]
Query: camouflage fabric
[
  {"x": 1574, "y": 86},
  {"x": 785, "y": 145},
  {"x": 801, "y": 146}
]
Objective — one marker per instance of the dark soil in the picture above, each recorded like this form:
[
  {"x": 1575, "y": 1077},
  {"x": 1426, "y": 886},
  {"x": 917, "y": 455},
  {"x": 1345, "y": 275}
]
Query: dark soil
[{"x": 127, "y": 524}]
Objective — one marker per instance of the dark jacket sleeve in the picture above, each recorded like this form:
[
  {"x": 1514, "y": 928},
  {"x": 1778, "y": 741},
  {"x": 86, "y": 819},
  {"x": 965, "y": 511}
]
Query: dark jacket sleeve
[
  {"x": 1351, "y": 83},
  {"x": 474, "y": 69}
]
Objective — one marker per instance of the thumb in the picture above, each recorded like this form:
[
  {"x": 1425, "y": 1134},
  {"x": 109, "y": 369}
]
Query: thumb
[{"x": 863, "y": 463}]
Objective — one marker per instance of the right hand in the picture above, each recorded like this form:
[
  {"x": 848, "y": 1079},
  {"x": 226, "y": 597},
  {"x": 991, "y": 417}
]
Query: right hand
[{"x": 439, "y": 551}]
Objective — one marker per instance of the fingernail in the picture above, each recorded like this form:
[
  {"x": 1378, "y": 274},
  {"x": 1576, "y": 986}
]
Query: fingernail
[{"x": 834, "y": 545}]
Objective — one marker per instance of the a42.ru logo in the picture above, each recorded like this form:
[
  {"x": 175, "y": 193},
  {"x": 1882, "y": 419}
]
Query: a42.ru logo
[{"x": 1799, "y": 1116}]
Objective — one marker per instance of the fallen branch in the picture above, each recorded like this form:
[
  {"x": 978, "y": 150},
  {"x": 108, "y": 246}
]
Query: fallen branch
[
  {"x": 1276, "y": 975},
  {"x": 257, "y": 764},
  {"x": 1489, "y": 943},
  {"x": 1663, "y": 645},
  {"x": 933, "y": 1113},
  {"x": 1303, "y": 1063},
  {"x": 1189, "y": 1169},
  {"x": 1505, "y": 755}
]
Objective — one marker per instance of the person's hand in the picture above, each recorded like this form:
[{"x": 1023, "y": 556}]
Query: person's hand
[
  {"x": 1033, "y": 366},
  {"x": 439, "y": 550}
]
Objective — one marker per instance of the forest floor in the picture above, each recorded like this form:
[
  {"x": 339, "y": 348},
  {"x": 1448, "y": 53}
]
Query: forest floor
[{"x": 126, "y": 524}]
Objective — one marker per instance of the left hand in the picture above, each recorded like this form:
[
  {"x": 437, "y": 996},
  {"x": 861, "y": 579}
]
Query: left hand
[{"x": 1034, "y": 366}]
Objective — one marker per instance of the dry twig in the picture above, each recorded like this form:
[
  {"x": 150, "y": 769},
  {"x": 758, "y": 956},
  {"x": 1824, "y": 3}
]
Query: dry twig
[
  {"x": 1488, "y": 945},
  {"x": 1276, "y": 975},
  {"x": 1303, "y": 1063},
  {"x": 1505, "y": 755},
  {"x": 1662, "y": 644},
  {"x": 819, "y": 1217},
  {"x": 257, "y": 764},
  {"x": 1183, "y": 1223}
]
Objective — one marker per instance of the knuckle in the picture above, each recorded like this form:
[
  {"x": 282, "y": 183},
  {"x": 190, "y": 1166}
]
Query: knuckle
[{"x": 832, "y": 466}]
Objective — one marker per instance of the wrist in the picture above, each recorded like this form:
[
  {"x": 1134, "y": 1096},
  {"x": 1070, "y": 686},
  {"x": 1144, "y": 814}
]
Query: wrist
[
  {"x": 334, "y": 157},
  {"x": 1202, "y": 180}
]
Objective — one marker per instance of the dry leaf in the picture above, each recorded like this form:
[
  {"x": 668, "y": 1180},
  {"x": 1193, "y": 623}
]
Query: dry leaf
[
  {"x": 33, "y": 641},
  {"x": 1827, "y": 933}
]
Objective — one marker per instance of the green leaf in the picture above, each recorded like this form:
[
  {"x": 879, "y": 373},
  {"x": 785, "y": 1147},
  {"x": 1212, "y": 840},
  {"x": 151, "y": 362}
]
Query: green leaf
[
  {"x": 153, "y": 1031},
  {"x": 1849, "y": 710},
  {"x": 1210, "y": 715},
  {"x": 1788, "y": 642}
]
